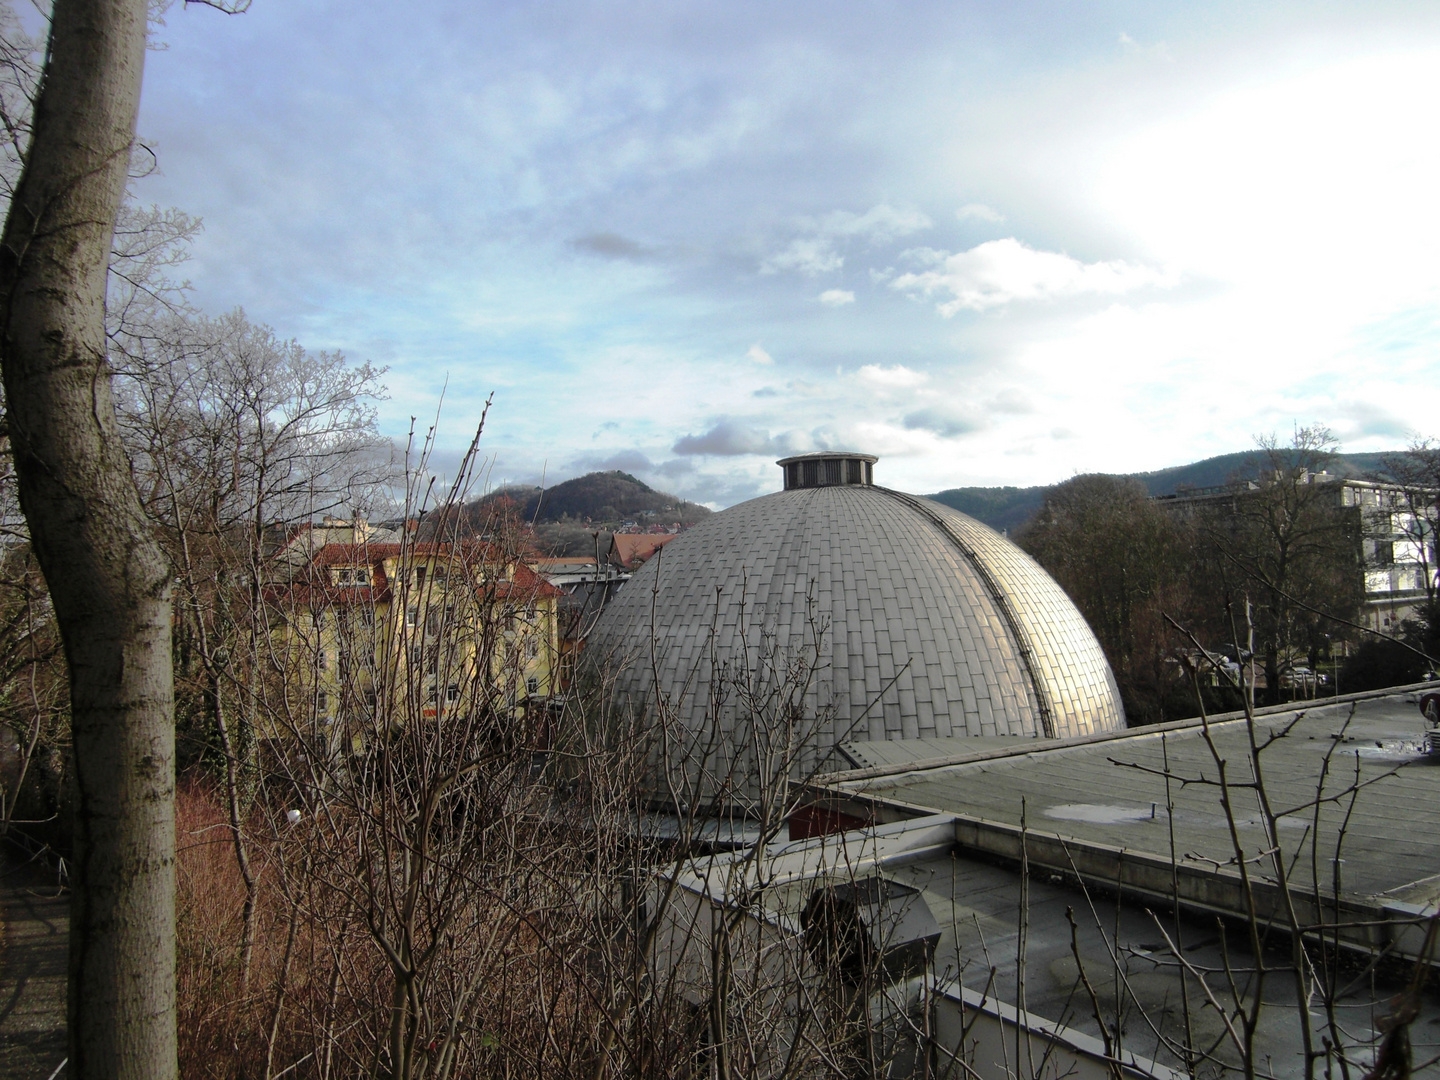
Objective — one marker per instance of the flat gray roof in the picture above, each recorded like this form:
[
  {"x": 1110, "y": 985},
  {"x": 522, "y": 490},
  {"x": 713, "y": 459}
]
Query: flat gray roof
[
  {"x": 1129, "y": 836},
  {"x": 1126, "y": 953},
  {"x": 1162, "y": 981},
  {"x": 1112, "y": 791},
  {"x": 1357, "y": 807}
]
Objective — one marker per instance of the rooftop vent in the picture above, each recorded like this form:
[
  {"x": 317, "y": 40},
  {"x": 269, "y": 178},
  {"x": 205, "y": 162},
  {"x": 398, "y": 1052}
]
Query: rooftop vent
[
  {"x": 828, "y": 469},
  {"x": 868, "y": 928}
]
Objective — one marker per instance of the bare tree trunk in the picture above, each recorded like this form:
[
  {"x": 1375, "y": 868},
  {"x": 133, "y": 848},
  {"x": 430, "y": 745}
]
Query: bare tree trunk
[{"x": 106, "y": 572}]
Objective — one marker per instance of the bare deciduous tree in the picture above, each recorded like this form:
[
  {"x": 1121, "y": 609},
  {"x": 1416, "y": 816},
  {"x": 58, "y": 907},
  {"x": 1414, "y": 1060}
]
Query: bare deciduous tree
[
  {"x": 1293, "y": 549},
  {"x": 1123, "y": 561},
  {"x": 107, "y": 574}
]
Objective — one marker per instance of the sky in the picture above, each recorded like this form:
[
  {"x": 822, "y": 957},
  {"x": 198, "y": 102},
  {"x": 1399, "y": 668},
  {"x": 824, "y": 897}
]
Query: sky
[{"x": 992, "y": 243}]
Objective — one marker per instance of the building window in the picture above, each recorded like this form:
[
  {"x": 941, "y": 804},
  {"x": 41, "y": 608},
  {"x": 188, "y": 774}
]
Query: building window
[
  {"x": 322, "y": 701},
  {"x": 532, "y": 685},
  {"x": 412, "y": 615},
  {"x": 419, "y": 577},
  {"x": 452, "y": 693}
]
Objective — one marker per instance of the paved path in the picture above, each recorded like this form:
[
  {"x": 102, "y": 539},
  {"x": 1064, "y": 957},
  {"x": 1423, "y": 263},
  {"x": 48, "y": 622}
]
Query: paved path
[{"x": 36, "y": 918}]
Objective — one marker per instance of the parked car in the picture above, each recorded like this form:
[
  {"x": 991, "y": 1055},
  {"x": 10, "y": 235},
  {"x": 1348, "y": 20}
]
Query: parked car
[
  {"x": 1234, "y": 652},
  {"x": 1299, "y": 675}
]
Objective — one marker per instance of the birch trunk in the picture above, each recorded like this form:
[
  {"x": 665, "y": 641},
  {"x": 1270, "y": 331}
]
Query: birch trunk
[{"x": 107, "y": 575}]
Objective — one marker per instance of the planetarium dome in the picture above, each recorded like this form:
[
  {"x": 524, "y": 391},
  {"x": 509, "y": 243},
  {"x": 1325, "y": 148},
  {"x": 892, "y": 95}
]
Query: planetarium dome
[{"x": 834, "y": 611}]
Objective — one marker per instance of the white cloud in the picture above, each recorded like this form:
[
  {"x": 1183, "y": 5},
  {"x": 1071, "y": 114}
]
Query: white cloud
[
  {"x": 759, "y": 355},
  {"x": 999, "y": 272},
  {"x": 810, "y": 255},
  {"x": 945, "y": 422},
  {"x": 731, "y": 437},
  {"x": 878, "y": 225},
  {"x": 818, "y": 252},
  {"x": 898, "y": 377},
  {"x": 837, "y": 297},
  {"x": 1237, "y": 188},
  {"x": 727, "y": 438},
  {"x": 979, "y": 212},
  {"x": 1013, "y": 400}
]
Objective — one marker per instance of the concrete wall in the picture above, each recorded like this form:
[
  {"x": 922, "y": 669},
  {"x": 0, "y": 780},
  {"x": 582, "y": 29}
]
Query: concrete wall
[{"x": 997, "y": 1041}]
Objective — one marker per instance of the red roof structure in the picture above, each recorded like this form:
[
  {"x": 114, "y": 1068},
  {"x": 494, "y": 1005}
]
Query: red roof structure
[
  {"x": 317, "y": 586},
  {"x": 632, "y": 549}
]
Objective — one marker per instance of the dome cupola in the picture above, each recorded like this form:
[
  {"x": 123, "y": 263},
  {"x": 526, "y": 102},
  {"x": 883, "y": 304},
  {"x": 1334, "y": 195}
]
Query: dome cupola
[{"x": 829, "y": 468}]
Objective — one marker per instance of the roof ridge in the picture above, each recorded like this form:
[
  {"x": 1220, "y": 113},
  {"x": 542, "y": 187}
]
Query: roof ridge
[{"x": 1013, "y": 625}]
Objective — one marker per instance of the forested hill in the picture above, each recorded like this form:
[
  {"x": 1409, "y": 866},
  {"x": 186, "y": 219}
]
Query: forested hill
[
  {"x": 600, "y": 500},
  {"x": 1007, "y": 508},
  {"x": 567, "y": 516}
]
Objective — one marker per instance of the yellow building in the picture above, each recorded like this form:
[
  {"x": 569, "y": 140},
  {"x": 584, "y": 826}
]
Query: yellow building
[{"x": 377, "y": 635}]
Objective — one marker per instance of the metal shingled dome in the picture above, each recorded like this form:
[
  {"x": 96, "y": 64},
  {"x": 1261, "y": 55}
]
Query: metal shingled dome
[{"x": 928, "y": 625}]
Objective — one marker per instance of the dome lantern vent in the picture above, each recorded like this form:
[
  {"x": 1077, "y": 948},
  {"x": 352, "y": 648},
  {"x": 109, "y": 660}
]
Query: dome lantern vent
[{"x": 830, "y": 468}]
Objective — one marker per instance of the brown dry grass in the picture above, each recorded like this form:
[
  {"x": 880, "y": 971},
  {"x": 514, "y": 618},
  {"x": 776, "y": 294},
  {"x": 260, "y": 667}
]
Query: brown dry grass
[{"x": 545, "y": 958}]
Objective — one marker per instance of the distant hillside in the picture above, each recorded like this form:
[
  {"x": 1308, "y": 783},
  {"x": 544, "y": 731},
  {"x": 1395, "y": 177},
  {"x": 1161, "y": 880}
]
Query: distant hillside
[
  {"x": 568, "y": 515},
  {"x": 1007, "y": 508},
  {"x": 601, "y": 498},
  {"x": 1003, "y": 508},
  {"x": 1220, "y": 470}
]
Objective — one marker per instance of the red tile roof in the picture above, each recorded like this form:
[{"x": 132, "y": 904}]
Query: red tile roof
[
  {"x": 632, "y": 549},
  {"x": 317, "y": 589}
]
